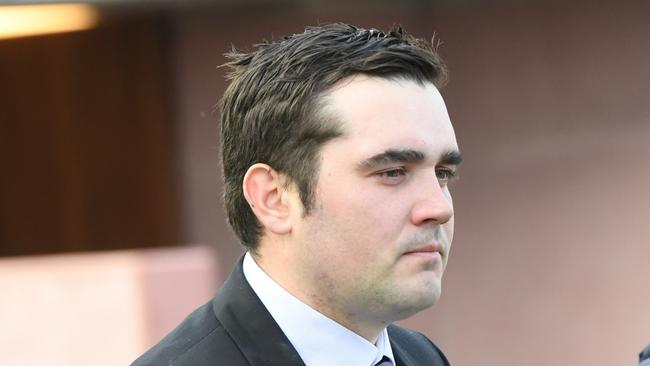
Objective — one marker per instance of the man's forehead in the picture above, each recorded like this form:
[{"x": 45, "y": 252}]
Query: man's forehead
[
  {"x": 361, "y": 100},
  {"x": 376, "y": 115}
]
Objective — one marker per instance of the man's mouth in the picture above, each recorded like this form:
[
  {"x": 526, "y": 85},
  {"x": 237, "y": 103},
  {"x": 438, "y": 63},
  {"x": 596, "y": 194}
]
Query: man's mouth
[{"x": 430, "y": 251}]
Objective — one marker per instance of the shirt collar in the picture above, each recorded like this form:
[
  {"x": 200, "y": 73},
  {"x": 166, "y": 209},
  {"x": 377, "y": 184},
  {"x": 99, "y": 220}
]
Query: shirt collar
[{"x": 318, "y": 339}]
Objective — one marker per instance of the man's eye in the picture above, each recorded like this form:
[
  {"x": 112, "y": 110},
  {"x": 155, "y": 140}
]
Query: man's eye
[
  {"x": 393, "y": 173},
  {"x": 392, "y": 176},
  {"x": 445, "y": 175}
]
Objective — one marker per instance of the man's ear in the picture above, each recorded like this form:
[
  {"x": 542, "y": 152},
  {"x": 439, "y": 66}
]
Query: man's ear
[{"x": 264, "y": 190}]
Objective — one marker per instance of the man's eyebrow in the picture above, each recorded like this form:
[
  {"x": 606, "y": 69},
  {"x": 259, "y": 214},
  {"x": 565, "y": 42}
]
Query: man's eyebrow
[
  {"x": 451, "y": 157},
  {"x": 392, "y": 156}
]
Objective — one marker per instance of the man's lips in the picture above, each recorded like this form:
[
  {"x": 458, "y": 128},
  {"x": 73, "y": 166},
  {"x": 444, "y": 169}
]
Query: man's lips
[{"x": 428, "y": 251}]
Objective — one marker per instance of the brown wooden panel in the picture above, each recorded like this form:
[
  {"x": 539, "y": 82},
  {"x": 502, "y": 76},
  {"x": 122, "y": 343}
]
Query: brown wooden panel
[{"x": 86, "y": 145}]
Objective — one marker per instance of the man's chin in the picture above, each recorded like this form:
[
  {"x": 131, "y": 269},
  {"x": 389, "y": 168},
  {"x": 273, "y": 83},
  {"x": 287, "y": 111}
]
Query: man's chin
[{"x": 413, "y": 303}]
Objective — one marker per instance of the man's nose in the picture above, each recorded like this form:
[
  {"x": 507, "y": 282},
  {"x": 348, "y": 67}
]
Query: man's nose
[{"x": 433, "y": 206}]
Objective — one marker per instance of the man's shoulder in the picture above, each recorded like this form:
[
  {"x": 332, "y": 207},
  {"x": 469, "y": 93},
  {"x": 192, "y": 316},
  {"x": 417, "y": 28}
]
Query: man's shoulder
[
  {"x": 413, "y": 345},
  {"x": 199, "y": 340}
]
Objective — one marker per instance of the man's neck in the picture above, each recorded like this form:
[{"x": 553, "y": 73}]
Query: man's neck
[{"x": 282, "y": 272}]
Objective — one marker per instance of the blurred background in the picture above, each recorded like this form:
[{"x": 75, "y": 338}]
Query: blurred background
[{"x": 111, "y": 222}]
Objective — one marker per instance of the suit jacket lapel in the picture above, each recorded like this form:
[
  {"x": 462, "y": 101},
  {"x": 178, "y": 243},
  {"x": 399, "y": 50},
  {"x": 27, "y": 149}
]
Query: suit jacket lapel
[
  {"x": 250, "y": 325},
  {"x": 413, "y": 349},
  {"x": 402, "y": 357}
]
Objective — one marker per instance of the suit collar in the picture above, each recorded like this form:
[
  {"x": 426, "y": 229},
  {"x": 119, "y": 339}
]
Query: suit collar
[
  {"x": 252, "y": 328},
  {"x": 401, "y": 356}
]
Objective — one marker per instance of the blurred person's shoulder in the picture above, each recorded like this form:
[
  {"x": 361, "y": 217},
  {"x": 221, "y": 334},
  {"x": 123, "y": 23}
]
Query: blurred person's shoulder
[
  {"x": 199, "y": 340},
  {"x": 644, "y": 356}
]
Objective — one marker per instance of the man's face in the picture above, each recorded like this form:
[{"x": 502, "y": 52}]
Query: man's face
[{"x": 376, "y": 243}]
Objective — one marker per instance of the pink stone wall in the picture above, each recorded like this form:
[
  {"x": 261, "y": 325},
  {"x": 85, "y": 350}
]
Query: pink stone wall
[{"x": 99, "y": 308}]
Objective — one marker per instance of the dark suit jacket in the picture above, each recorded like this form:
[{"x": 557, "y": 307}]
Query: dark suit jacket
[{"x": 236, "y": 329}]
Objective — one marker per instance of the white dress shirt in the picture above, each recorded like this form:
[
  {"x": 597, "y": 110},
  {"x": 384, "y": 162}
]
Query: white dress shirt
[{"x": 319, "y": 340}]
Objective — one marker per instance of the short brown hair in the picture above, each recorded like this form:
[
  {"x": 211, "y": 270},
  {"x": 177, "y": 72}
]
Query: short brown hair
[{"x": 271, "y": 111}]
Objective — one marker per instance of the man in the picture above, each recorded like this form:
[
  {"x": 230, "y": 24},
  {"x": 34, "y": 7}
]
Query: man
[{"x": 337, "y": 155}]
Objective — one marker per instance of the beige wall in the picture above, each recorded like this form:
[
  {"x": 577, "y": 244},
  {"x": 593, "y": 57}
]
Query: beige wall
[{"x": 551, "y": 104}]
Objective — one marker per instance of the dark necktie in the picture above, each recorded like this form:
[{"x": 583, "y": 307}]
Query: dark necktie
[{"x": 385, "y": 361}]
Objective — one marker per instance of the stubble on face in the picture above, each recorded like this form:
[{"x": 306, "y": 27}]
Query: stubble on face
[{"x": 353, "y": 288}]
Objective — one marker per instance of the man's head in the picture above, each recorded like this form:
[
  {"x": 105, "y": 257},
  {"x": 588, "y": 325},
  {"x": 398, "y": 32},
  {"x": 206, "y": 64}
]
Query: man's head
[
  {"x": 272, "y": 111},
  {"x": 338, "y": 150}
]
